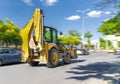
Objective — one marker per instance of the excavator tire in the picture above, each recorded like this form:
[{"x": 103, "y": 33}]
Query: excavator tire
[
  {"x": 33, "y": 63},
  {"x": 53, "y": 58},
  {"x": 67, "y": 59}
]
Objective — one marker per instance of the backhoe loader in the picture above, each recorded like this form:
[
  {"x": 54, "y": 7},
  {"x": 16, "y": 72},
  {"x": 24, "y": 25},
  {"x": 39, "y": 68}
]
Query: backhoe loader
[{"x": 41, "y": 45}]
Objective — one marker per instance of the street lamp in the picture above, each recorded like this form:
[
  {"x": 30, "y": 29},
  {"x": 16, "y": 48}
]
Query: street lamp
[{"x": 83, "y": 23}]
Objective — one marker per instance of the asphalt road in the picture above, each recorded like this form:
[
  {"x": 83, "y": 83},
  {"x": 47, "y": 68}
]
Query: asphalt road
[{"x": 96, "y": 68}]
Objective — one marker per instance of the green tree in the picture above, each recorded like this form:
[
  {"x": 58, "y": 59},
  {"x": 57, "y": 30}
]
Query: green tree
[
  {"x": 88, "y": 35},
  {"x": 118, "y": 43},
  {"x": 111, "y": 26},
  {"x": 89, "y": 43},
  {"x": 110, "y": 45},
  {"x": 67, "y": 40},
  {"x": 102, "y": 43},
  {"x": 106, "y": 43},
  {"x": 73, "y": 37},
  {"x": 74, "y": 33},
  {"x": 9, "y": 34}
]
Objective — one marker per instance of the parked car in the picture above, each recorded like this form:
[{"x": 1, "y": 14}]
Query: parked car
[
  {"x": 9, "y": 55},
  {"x": 82, "y": 51}
]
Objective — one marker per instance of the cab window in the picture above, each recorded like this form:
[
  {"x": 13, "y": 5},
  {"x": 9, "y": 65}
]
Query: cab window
[
  {"x": 54, "y": 36},
  {"x": 47, "y": 34}
]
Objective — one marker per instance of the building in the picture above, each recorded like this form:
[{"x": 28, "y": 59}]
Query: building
[{"x": 114, "y": 39}]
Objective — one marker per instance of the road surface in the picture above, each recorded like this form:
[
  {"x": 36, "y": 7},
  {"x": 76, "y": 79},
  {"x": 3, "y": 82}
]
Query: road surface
[{"x": 96, "y": 68}]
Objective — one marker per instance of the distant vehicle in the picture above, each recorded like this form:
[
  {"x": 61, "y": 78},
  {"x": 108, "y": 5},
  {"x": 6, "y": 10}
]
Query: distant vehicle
[
  {"x": 9, "y": 55},
  {"x": 82, "y": 51},
  {"x": 111, "y": 51}
]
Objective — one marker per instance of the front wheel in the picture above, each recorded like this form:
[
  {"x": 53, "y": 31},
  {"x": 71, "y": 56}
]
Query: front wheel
[
  {"x": 53, "y": 58},
  {"x": 67, "y": 59}
]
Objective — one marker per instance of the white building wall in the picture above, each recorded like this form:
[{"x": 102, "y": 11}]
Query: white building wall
[{"x": 114, "y": 39}]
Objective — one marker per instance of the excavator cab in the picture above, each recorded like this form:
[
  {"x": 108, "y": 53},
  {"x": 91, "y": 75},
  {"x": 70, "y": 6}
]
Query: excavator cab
[
  {"x": 50, "y": 35},
  {"x": 40, "y": 43}
]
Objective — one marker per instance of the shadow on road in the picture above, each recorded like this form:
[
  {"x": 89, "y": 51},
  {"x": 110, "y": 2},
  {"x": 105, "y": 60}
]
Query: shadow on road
[
  {"x": 72, "y": 62},
  {"x": 99, "y": 70},
  {"x": 61, "y": 63},
  {"x": 118, "y": 57},
  {"x": 11, "y": 64}
]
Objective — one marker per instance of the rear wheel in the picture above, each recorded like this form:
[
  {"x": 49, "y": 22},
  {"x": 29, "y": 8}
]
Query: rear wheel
[
  {"x": 53, "y": 58},
  {"x": 67, "y": 59},
  {"x": 33, "y": 63}
]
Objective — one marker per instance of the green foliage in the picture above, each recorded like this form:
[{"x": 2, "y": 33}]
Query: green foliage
[
  {"x": 102, "y": 43},
  {"x": 89, "y": 43},
  {"x": 106, "y": 43},
  {"x": 111, "y": 26},
  {"x": 72, "y": 38},
  {"x": 9, "y": 33},
  {"x": 118, "y": 5},
  {"x": 110, "y": 45},
  {"x": 67, "y": 40},
  {"x": 74, "y": 33},
  {"x": 88, "y": 35},
  {"x": 118, "y": 43}
]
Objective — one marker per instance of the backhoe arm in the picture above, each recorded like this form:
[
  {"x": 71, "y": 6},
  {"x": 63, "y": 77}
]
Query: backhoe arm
[{"x": 32, "y": 35}]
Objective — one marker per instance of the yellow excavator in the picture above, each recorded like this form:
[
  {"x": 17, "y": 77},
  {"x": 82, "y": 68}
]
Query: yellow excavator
[{"x": 41, "y": 45}]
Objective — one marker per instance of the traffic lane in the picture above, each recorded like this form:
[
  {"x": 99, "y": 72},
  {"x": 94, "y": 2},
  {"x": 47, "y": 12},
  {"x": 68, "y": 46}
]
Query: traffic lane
[
  {"x": 103, "y": 68},
  {"x": 24, "y": 74}
]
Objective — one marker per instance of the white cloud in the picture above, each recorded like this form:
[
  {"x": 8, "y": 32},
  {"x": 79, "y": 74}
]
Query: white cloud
[
  {"x": 49, "y": 2},
  {"x": 108, "y": 12},
  {"x": 28, "y": 2},
  {"x": 74, "y": 17},
  {"x": 94, "y": 13}
]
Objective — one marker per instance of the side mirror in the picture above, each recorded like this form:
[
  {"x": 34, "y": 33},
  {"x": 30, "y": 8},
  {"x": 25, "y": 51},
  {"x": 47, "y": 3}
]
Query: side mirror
[{"x": 61, "y": 33}]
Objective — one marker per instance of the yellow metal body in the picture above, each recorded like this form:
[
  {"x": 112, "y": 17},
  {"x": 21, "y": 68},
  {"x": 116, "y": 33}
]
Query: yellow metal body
[
  {"x": 34, "y": 48},
  {"x": 35, "y": 25}
]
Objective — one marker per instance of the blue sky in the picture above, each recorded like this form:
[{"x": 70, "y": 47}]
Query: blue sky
[{"x": 63, "y": 15}]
